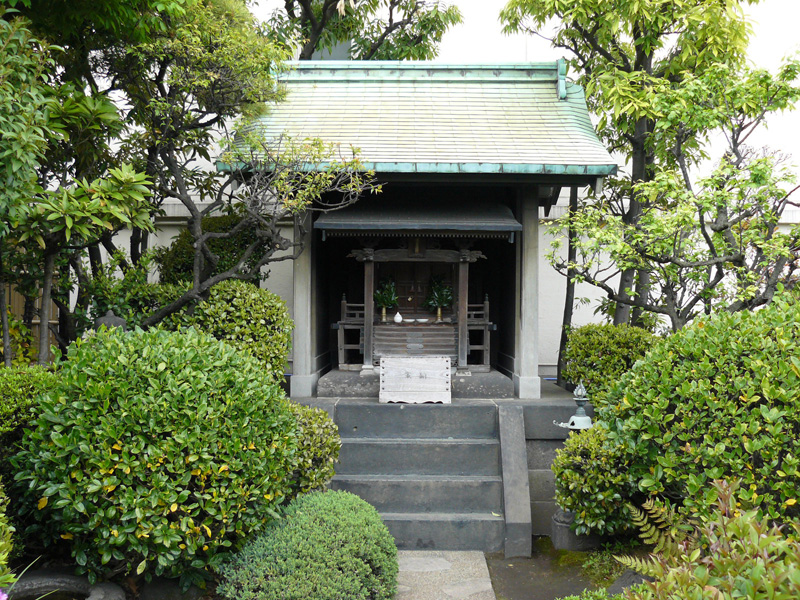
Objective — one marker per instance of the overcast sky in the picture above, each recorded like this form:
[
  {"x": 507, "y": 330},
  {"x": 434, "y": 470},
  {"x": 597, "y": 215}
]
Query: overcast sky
[{"x": 479, "y": 39}]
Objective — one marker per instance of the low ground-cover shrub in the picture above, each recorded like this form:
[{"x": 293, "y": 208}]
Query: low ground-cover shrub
[
  {"x": 591, "y": 480},
  {"x": 594, "y": 595},
  {"x": 329, "y": 545},
  {"x": 318, "y": 445},
  {"x": 250, "y": 319},
  {"x": 19, "y": 387},
  {"x": 731, "y": 554},
  {"x": 6, "y": 532},
  {"x": 599, "y": 354},
  {"x": 157, "y": 452}
]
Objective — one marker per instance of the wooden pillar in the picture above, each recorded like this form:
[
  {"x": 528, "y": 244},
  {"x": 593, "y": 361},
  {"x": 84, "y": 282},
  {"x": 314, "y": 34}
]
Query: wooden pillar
[
  {"x": 369, "y": 311},
  {"x": 463, "y": 332}
]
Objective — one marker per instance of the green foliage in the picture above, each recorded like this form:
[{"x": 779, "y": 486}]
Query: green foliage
[
  {"x": 19, "y": 388},
  {"x": 373, "y": 29},
  {"x": 440, "y": 295},
  {"x": 598, "y": 355},
  {"x": 661, "y": 526},
  {"x": 629, "y": 53},
  {"x": 601, "y": 567},
  {"x": 123, "y": 289},
  {"x": 250, "y": 319},
  {"x": 739, "y": 555},
  {"x": 176, "y": 261},
  {"x": 386, "y": 295},
  {"x": 662, "y": 84},
  {"x": 318, "y": 445},
  {"x": 81, "y": 213},
  {"x": 594, "y": 595},
  {"x": 6, "y": 542},
  {"x": 23, "y": 351},
  {"x": 157, "y": 452},
  {"x": 24, "y": 104},
  {"x": 718, "y": 399},
  {"x": 327, "y": 545},
  {"x": 591, "y": 480}
]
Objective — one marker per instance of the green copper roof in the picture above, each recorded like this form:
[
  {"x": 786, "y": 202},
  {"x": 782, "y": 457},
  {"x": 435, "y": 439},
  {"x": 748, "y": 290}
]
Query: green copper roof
[{"x": 420, "y": 117}]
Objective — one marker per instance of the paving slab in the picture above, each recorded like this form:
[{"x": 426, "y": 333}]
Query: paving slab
[{"x": 443, "y": 575}]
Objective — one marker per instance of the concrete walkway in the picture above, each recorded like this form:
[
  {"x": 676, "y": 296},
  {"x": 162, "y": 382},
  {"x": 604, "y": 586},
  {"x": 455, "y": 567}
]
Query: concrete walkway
[{"x": 442, "y": 575}]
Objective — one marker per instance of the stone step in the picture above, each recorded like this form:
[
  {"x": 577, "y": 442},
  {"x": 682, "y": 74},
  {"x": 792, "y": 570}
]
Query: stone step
[
  {"x": 446, "y": 531},
  {"x": 416, "y": 420},
  {"x": 393, "y": 456},
  {"x": 426, "y": 494}
]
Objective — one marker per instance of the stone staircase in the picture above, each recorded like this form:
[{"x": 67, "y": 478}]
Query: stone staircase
[{"x": 433, "y": 471}]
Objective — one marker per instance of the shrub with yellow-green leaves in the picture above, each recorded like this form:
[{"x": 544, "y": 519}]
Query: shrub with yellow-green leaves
[
  {"x": 6, "y": 530},
  {"x": 157, "y": 453}
]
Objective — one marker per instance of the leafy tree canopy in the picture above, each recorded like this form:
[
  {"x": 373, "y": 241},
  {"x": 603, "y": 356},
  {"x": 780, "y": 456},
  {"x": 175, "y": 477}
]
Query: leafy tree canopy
[
  {"x": 376, "y": 29},
  {"x": 662, "y": 76}
]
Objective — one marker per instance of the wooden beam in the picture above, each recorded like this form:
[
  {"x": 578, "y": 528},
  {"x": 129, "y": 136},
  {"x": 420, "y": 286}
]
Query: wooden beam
[
  {"x": 406, "y": 255},
  {"x": 463, "y": 332},
  {"x": 369, "y": 310}
]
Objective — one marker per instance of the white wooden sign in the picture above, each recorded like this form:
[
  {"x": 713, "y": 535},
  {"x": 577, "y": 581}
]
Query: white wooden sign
[{"x": 415, "y": 379}]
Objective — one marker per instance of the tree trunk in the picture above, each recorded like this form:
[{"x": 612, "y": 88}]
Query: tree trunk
[
  {"x": 44, "y": 312},
  {"x": 4, "y": 319},
  {"x": 639, "y": 161},
  {"x": 4, "y": 313},
  {"x": 569, "y": 301},
  {"x": 622, "y": 311},
  {"x": 642, "y": 292},
  {"x": 95, "y": 259},
  {"x": 29, "y": 311}
]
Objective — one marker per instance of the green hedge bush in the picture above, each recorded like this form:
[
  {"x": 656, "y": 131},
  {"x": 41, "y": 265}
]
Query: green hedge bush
[
  {"x": 157, "y": 452},
  {"x": 19, "y": 387},
  {"x": 318, "y": 445},
  {"x": 176, "y": 262},
  {"x": 248, "y": 318},
  {"x": 6, "y": 533},
  {"x": 328, "y": 546},
  {"x": 719, "y": 399},
  {"x": 591, "y": 480},
  {"x": 598, "y": 355}
]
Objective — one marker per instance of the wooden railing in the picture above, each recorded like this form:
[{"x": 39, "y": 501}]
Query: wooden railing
[
  {"x": 350, "y": 334},
  {"x": 478, "y": 320}
]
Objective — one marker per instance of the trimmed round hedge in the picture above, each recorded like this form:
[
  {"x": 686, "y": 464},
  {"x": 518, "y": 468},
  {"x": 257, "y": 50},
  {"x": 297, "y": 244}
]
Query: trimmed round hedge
[
  {"x": 591, "y": 480},
  {"x": 250, "y": 319},
  {"x": 19, "y": 387},
  {"x": 719, "y": 399},
  {"x": 157, "y": 452},
  {"x": 328, "y": 546},
  {"x": 318, "y": 445},
  {"x": 598, "y": 355}
]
